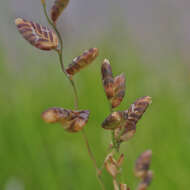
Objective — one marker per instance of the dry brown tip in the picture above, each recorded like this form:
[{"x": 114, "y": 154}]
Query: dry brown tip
[
  {"x": 18, "y": 21},
  {"x": 50, "y": 116},
  {"x": 111, "y": 165}
]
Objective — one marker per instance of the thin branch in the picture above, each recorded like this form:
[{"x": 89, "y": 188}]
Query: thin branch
[{"x": 60, "y": 54}]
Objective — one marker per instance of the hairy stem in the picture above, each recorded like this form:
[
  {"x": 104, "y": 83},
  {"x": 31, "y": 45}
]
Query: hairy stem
[{"x": 60, "y": 54}]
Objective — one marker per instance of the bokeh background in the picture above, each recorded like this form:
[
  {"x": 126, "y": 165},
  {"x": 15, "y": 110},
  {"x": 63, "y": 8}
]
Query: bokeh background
[{"x": 147, "y": 40}]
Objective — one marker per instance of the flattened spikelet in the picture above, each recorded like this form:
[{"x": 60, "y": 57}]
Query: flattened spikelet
[
  {"x": 119, "y": 90},
  {"x": 134, "y": 114},
  {"x": 129, "y": 131},
  {"x": 142, "y": 164},
  {"x": 111, "y": 165},
  {"x": 114, "y": 87},
  {"x": 82, "y": 61},
  {"x": 72, "y": 121},
  {"x": 137, "y": 109},
  {"x": 39, "y": 36},
  {"x": 113, "y": 121},
  {"x": 107, "y": 79},
  {"x": 53, "y": 115},
  {"x": 146, "y": 181},
  {"x": 57, "y": 9},
  {"x": 78, "y": 122}
]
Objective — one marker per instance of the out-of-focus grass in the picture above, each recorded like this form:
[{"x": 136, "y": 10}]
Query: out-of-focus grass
[{"x": 44, "y": 157}]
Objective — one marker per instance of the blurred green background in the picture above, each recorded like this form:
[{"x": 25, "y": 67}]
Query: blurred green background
[{"x": 35, "y": 155}]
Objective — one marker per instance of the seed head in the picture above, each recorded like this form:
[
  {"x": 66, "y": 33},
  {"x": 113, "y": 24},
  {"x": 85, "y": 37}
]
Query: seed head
[
  {"x": 142, "y": 164},
  {"x": 57, "y": 9},
  {"x": 72, "y": 121},
  {"x": 107, "y": 79},
  {"x": 119, "y": 90},
  {"x": 39, "y": 36},
  {"x": 146, "y": 181},
  {"x": 82, "y": 61},
  {"x": 114, "y": 87},
  {"x": 113, "y": 121}
]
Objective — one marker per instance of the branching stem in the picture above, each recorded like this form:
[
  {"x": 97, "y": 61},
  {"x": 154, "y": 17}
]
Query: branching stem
[{"x": 60, "y": 54}]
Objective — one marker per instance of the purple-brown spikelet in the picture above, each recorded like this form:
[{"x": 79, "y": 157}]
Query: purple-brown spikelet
[
  {"x": 142, "y": 164},
  {"x": 137, "y": 109},
  {"x": 57, "y": 9},
  {"x": 53, "y": 115},
  {"x": 143, "y": 185},
  {"x": 113, "y": 87},
  {"x": 82, "y": 61},
  {"x": 113, "y": 121},
  {"x": 39, "y": 36},
  {"x": 72, "y": 121},
  {"x": 107, "y": 79},
  {"x": 119, "y": 90},
  {"x": 133, "y": 115},
  {"x": 78, "y": 122},
  {"x": 128, "y": 131}
]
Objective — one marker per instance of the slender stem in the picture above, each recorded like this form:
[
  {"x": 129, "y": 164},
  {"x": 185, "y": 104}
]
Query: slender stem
[
  {"x": 53, "y": 25},
  {"x": 114, "y": 140},
  {"x": 60, "y": 54},
  {"x": 98, "y": 171}
]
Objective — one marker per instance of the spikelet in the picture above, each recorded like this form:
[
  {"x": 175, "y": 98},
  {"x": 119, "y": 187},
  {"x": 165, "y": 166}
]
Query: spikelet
[
  {"x": 78, "y": 122},
  {"x": 119, "y": 90},
  {"x": 112, "y": 166},
  {"x": 143, "y": 185},
  {"x": 54, "y": 115},
  {"x": 57, "y": 9},
  {"x": 113, "y": 87},
  {"x": 120, "y": 160},
  {"x": 107, "y": 78},
  {"x": 135, "y": 112},
  {"x": 82, "y": 61},
  {"x": 142, "y": 164},
  {"x": 137, "y": 109},
  {"x": 72, "y": 121},
  {"x": 39, "y": 36},
  {"x": 113, "y": 121}
]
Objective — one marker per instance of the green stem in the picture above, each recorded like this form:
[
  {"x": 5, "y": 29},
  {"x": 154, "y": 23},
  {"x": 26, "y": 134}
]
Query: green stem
[
  {"x": 114, "y": 140},
  {"x": 60, "y": 54},
  {"x": 98, "y": 171}
]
